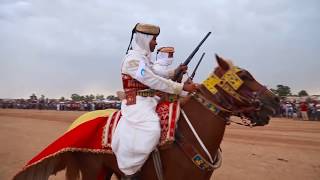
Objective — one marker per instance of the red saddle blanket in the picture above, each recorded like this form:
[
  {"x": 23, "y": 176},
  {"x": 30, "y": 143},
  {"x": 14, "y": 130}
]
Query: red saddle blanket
[{"x": 95, "y": 134}]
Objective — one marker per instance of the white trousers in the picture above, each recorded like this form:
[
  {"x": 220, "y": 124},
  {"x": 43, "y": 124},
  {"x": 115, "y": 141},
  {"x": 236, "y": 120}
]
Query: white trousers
[
  {"x": 304, "y": 115},
  {"x": 137, "y": 134}
]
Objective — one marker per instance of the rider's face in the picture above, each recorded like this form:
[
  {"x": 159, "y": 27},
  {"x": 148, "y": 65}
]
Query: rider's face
[{"x": 153, "y": 43}]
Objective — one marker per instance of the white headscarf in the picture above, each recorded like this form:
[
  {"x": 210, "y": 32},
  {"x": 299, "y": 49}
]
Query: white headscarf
[
  {"x": 163, "y": 59},
  {"x": 141, "y": 43},
  {"x": 140, "y": 51}
]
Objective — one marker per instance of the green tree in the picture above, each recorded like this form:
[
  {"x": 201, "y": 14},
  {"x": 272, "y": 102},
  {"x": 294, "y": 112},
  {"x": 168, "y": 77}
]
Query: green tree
[
  {"x": 75, "y": 97},
  {"x": 86, "y": 98},
  {"x": 92, "y": 97},
  {"x": 112, "y": 98},
  {"x": 303, "y": 93},
  {"x": 89, "y": 97},
  {"x": 42, "y": 98},
  {"x": 283, "y": 90},
  {"x": 99, "y": 97},
  {"x": 62, "y": 99},
  {"x": 33, "y": 96}
]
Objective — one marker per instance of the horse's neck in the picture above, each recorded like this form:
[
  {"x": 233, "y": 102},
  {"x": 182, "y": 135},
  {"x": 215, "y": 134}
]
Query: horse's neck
[{"x": 208, "y": 126}]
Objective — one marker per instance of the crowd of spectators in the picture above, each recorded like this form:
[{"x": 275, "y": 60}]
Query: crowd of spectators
[
  {"x": 300, "y": 110},
  {"x": 53, "y": 104}
]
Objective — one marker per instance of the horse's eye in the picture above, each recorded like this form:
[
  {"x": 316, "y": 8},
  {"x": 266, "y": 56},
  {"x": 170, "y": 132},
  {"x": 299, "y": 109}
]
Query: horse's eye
[{"x": 244, "y": 75}]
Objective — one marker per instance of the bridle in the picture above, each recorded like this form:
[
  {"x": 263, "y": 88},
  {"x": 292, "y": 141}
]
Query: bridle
[{"x": 225, "y": 89}]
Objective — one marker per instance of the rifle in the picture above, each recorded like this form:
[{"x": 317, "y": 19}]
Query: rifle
[
  {"x": 195, "y": 69},
  {"x": 187, "y": 61}
]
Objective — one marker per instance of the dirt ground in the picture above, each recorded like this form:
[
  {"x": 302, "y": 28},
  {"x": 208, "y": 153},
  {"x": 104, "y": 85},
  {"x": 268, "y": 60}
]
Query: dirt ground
[{"x": 285, "y": 149}]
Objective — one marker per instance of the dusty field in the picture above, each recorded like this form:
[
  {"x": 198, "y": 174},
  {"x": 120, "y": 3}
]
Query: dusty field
[{"x": 285, "y": 149}]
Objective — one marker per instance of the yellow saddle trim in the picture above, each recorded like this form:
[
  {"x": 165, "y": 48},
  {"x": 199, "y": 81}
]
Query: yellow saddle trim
[{"x": 89, "y": 116}]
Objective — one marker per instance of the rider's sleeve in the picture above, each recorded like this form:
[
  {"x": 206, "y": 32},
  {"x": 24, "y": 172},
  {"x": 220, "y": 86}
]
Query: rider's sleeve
[
  {"x": 171, "y": 73},
  {"x": 145, "y": 75},
  {"x": 163, "y": 71}
]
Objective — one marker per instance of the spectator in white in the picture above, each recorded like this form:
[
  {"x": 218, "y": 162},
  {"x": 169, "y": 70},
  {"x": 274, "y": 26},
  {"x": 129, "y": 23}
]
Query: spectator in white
[
  {"x": 289, "y": 110},
  {"x": 93, "y": 107}
]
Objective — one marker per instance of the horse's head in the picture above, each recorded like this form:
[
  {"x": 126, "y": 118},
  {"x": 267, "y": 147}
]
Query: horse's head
[{"x": 238, "y": 93}]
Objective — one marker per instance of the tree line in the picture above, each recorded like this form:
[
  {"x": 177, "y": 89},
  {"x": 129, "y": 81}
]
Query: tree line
[
  {"x": 283, "y": 91},
  {"x": 280, "y": 90}
]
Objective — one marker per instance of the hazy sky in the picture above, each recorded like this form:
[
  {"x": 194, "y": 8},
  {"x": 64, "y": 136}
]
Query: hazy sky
[{"x": 59, "y": 47}]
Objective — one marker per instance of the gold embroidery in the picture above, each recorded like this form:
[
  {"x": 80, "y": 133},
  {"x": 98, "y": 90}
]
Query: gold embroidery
[
  {"x": 176, "y": 88},
  {"x": 211, "y": 82},
  {"x": 232, "y": 78},
  {"x": 229, "y": 82}
]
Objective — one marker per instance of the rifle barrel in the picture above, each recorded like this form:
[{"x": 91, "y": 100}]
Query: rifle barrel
[
  {"x": 187, "y": 61},
  {"x": 195, "y": 69}
]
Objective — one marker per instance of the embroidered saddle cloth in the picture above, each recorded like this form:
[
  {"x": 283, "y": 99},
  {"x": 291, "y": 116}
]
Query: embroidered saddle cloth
[
  {"x": 168, "y": 113},
  {"x": 92, "y": 132}
]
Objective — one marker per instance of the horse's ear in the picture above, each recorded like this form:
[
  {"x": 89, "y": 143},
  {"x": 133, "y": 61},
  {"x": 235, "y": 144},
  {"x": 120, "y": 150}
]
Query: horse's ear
[{"x": 222, "y": 63}]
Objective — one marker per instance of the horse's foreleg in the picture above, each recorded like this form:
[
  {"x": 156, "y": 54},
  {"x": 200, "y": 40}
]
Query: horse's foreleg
[
  {"x": 72, "y": 168},
  {"x": 90, "y": 173},
  {"x": 91, "y": 166},
  {"x": 107, "y": 174}
]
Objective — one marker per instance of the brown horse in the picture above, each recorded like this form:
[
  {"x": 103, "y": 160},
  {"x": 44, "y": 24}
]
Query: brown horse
[{"x": 208, "y": 111}]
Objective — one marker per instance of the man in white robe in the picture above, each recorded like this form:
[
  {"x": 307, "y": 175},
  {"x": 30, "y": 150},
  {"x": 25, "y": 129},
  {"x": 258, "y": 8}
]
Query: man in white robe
[
  {"x": 163, "y": 60},
  {"x": 138, "y": 131}
]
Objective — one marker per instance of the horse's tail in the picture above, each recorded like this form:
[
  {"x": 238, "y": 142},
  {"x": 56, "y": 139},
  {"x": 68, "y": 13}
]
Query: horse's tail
[
  {"x": 50, "y": 166},
  {"x": 41, "y": 170}
]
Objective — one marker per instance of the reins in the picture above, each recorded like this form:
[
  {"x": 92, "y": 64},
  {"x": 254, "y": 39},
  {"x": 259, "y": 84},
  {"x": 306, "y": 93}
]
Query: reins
[{"x": 225, "y": 89}]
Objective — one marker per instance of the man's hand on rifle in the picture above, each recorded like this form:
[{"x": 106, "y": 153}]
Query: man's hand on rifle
[
  {"x": 189, "y": 86},
  {"x": 181, "y": 68},
  {"x": 188, "y": 81}
]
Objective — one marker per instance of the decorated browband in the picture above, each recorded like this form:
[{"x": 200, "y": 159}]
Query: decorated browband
[{"x": 229, "y": 82}]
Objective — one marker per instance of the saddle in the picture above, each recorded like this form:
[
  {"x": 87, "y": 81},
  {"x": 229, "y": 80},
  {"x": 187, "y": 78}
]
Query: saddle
[{"x": 168, "y": 113}]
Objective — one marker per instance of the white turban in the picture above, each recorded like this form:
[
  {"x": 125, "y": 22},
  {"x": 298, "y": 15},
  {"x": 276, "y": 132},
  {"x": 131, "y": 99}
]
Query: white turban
[{"x": 163, "y": 59}]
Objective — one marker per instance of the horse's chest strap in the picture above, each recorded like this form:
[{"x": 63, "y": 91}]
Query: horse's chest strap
[{"x": 193, "y": 154}]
